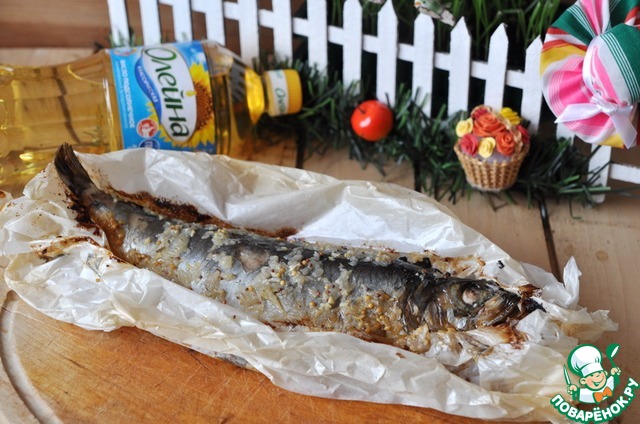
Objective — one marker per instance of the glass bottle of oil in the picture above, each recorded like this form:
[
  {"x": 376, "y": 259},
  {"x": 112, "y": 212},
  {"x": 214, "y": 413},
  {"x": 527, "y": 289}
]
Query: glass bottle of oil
[{"x": 183, "y": 96}]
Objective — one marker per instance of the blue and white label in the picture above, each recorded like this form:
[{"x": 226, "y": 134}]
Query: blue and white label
[{"x": 159, "y": 91}]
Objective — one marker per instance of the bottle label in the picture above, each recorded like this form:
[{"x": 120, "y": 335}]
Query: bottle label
[
  {"x": 164, "y": 96},
  {"x": 279, "y": 93}
]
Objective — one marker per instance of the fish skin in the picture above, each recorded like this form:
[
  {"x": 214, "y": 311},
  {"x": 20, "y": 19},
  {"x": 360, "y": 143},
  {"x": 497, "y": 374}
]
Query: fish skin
[{"x": 287, "y": 284}]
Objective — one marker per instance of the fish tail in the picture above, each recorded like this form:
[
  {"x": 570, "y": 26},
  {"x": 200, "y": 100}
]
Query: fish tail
[
  {"x": 75, "y": 177},
  {"x": 92, "y": 204}
]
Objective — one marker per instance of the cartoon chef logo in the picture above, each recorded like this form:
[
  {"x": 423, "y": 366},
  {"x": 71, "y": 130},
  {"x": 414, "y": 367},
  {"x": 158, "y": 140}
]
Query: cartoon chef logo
[
  {"x": 585, "y": 361},
  {"x": 594, "y": 386}
]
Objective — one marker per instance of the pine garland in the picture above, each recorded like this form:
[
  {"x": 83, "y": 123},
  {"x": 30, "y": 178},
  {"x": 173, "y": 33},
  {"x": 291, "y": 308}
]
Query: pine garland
[{"x": 554, "y": 168}]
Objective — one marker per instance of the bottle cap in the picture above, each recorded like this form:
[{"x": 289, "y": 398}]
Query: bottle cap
[{"x": 284, "y": 91}]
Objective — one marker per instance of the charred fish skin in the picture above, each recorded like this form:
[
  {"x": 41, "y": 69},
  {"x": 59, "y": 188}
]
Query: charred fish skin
[{"x": 288, "y": 284}]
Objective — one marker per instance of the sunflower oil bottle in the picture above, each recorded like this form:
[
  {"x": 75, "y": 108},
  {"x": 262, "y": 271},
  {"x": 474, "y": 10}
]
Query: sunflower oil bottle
[{"x": 194, "y": 96}]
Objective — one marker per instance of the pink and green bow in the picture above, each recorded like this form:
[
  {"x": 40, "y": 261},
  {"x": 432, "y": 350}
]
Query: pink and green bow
[{"x": 590, "y": 66}]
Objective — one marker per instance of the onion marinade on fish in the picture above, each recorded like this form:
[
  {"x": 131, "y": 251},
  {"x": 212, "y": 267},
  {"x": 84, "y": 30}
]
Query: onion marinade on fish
[{"x": 371, "y": 294}]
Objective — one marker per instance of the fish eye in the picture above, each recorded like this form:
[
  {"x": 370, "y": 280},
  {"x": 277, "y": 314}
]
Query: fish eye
[{"x": 471, "y": 294}]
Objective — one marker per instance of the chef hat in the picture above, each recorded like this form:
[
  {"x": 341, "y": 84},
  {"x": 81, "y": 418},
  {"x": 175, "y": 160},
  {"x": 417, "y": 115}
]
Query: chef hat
[
  {"x": 585, "y": 360},
  {"x": 590, "y": 66}
]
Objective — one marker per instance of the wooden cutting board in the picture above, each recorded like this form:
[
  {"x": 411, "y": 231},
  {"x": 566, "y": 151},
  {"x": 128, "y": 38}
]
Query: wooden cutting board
[{"x": 57, "y": 372}]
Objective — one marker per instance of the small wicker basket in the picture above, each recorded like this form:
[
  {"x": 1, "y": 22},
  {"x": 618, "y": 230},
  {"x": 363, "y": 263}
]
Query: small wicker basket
[{"x": 495, "y": 176}]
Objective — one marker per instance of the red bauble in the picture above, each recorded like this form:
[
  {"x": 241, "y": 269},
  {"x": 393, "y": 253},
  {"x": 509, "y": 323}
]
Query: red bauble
[{"x": 372, "y": 120}]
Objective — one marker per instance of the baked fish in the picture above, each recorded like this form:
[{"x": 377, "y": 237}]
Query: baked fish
[{"x": 375, "y": 295}]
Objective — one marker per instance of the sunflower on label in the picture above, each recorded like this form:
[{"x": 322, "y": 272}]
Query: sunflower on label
[{"x": 168, "y": 85}]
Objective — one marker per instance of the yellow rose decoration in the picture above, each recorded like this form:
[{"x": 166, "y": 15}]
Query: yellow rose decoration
[
  {"x": 510, "y": 115},
  {"x": 486, "y": 146},
  {"x": 464, "y": 127}
]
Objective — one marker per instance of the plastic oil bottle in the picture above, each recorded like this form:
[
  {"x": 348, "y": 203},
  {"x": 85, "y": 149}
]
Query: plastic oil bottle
[{"x": 194, "y": 96}]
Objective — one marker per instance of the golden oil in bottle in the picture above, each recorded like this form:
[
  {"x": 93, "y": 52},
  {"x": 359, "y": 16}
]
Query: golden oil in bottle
[
  {"x": 194, "y": 96},
  {"x": 42, "y": 107},
  {"x": 241, "y": 97}
]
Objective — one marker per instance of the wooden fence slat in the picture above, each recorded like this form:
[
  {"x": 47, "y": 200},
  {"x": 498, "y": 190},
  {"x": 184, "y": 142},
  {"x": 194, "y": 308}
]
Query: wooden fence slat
[
  {"x": 622, "y": 172},
  {"x": 459, "y": 74},
  {"x": 213, "y": 18},
  {"x": 497, "y": 65},
  {"x": 515, "y": 79},
  {"x": 335, "y": 35},
  {"x": 387, "y": 41},
  {"x": 370, "y": 43},
  {"x": 231, "y": 10},
  {"x": 301, "y": 27},
  {"x": 531, "y": 108},
  {"x": 318, "y": 33},
  {"x": 119, "y": 21},
  {"x": 151, "y": 32},
  {"x": 283, "y": 29},
  {"x": 352, "y": 47},
  {"x": 249, "y": 30},
  {"x": 182, "y": 28},
  {"x": 423, "y": 60},
  {"x": 266, "y": 18}
]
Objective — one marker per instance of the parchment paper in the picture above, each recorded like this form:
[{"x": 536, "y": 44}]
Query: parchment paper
[{"x": 88, "y": 287}]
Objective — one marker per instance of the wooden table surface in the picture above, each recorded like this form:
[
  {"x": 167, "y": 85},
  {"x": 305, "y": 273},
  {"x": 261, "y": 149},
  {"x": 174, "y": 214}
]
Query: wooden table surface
[{"x": 53, "y": 371}]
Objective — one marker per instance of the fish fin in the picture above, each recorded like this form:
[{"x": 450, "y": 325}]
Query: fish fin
[{"x": 74, "y": 175}]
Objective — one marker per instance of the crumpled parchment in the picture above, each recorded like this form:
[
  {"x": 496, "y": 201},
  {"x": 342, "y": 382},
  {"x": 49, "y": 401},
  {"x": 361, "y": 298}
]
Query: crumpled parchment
[{"x": 88, "y": 287}]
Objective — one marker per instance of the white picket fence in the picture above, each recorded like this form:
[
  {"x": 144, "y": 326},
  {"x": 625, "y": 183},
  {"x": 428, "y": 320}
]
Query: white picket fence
[{"x": 385, "y": 45}]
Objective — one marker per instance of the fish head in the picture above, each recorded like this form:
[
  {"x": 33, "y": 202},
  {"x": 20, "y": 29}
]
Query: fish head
[{"x": 462, "y": 304}]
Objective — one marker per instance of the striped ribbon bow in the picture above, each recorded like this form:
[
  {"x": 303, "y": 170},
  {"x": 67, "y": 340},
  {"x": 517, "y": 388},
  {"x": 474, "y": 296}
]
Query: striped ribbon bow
[
  {"x": 621, "y": 115},
  {"x": 590, "y": 68}
]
